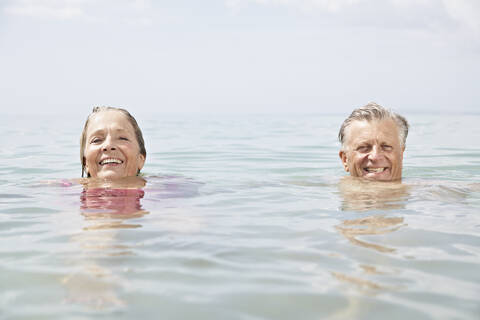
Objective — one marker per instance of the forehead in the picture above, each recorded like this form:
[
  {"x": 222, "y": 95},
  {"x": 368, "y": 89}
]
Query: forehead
[
  {"x": 364, "y": 131},
  {"x": 109, "y": 119}
]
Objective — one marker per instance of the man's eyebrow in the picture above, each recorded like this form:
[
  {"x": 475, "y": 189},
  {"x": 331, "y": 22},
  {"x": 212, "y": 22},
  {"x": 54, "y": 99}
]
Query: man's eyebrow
[{"x": 364, "y": 141}]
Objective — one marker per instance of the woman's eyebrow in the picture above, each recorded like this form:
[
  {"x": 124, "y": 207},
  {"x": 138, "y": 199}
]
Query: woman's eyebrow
[
  {"x": 96, "y": 132},
  {"x": 101, "y": 131}
]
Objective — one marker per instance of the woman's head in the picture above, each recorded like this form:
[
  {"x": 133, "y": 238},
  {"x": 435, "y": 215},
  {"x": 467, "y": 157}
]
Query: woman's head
[{"x": 112, "y": 144}]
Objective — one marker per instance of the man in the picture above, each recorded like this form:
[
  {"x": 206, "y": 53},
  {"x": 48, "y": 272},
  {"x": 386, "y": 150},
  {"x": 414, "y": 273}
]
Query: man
[{"x": 373, "y": 141}]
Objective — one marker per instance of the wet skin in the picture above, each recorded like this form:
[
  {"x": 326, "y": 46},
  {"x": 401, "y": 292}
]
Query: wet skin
[
  {"x": 112, "y": 150},
  {"x": 373, "y": 150}
]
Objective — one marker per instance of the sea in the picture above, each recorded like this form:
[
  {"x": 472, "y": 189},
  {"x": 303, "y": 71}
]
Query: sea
[{"x": 244, "y": 217}]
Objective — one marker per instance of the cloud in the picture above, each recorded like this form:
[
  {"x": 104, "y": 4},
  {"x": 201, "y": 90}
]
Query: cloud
[
  {"x": 129, "y": 11},
  {"x": 49, "y": 9},
  {"x": 141, "y": 5},
  {"x": 424, "y": 13},
  {"x": 466, "y": 12},
  {"x": 326, "y": 5}
]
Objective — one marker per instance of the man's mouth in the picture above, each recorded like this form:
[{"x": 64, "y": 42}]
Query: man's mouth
[
  {"x": 110, "y": 161},
  {"x": 375, "y": 170}
]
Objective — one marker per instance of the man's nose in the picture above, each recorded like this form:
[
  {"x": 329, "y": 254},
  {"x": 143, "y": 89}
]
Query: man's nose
[
  {"x": 375, "y": 153},
  {"x": 108, "y": 144}
]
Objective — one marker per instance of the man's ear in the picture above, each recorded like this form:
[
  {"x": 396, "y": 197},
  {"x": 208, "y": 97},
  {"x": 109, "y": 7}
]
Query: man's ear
[{"x": 343, "y": 158}]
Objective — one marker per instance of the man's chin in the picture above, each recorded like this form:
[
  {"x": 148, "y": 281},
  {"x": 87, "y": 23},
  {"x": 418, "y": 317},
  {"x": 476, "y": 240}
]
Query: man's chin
[
  {"x": 385, "y": 175},
  {"x": 377, "y": 178}
]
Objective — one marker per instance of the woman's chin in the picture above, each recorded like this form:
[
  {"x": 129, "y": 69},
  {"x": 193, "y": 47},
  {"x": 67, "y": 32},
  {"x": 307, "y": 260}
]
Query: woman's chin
[{"x": 111, "y": 175}]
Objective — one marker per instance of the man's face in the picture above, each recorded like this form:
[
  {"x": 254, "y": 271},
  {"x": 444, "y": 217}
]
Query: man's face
[{"x": 373, "y": 150}]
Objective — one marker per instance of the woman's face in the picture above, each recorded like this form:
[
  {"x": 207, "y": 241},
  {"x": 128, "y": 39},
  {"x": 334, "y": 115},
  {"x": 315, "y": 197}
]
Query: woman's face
[{"x": 111, "y": 147}]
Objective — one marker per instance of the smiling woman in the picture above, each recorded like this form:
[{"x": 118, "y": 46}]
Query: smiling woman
[{"x": 111, "y": 145}]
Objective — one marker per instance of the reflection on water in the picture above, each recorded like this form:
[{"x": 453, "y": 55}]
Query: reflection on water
[
  {"x": 106, "y": 207},
  {"x": 362, "y": 196},
  {"x": 235, "y": 239},
  {"x": 362, "y": 283},
  {"x": 112, "y": 203},
  {"x": 371, "y": 225},
  {"x": 118, "y": 200},
  {"x": 93, "y": 286}
]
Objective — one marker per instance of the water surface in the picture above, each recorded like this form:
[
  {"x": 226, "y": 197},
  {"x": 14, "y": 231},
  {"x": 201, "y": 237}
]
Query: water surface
[{"x": 241, "y": 217}]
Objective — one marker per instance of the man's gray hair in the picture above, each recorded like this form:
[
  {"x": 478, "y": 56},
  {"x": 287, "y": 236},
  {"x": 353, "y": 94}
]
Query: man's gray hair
[{"x": 373, "y": 111}]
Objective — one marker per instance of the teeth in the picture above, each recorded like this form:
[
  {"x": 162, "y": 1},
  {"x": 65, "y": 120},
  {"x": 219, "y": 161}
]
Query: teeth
[
  {"x": 376, "y": 170},
  {"x": 110, "y": 161}
]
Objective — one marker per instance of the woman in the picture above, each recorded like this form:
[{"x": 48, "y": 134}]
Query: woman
[{"x": 111, "y": 146}]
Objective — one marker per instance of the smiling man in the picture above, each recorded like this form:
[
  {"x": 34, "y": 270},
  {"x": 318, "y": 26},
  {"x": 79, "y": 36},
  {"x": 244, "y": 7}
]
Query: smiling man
[{"x": 373, "y": 141}]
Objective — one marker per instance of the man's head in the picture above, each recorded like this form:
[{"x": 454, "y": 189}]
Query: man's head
[{"x": 373, "y": 141}]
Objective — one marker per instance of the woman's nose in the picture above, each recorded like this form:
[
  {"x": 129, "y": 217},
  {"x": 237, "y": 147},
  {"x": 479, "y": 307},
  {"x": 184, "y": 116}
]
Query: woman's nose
[{"x": 108, "y": 144}]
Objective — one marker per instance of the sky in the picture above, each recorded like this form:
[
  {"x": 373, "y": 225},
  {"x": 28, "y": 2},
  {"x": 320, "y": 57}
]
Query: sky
[{"x": 239, "y": 56}]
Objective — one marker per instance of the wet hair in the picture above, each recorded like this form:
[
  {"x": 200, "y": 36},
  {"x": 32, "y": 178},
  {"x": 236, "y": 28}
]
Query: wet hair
[
  {"x": 130, "y": 118},
  {"x": 373, "y": 111}
]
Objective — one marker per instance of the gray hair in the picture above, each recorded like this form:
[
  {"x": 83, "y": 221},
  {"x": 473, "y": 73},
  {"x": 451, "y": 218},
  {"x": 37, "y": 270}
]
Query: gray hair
[
  {"x": 130, "y": 118},
  {"x": 373, "y": 111}
]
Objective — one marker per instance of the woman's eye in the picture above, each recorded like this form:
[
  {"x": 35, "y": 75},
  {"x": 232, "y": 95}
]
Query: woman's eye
[
  {"x": 96, "y": 140},
  {"x": 124, "y": 138}
]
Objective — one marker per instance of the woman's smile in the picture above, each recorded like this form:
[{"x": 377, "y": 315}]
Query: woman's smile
[
  {"x": 112, "y": 150},
  {"x": 110, "y": 161}
]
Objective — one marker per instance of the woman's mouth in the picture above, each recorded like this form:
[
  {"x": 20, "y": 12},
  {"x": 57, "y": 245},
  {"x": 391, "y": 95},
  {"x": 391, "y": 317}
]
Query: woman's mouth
[{"x": 108, "y": 161}]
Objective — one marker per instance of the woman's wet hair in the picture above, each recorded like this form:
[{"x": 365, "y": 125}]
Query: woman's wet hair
[
  {"x": 130, "y": 118},
  {"x": 374, "y": 111}
]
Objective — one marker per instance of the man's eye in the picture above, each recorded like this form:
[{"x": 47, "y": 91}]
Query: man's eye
[
  {"x": 124, "y": 138},
  {"x": 362, "y": 149},
  {"x": 96, "y": 140},
  {"x": 387, "y": 147}
]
